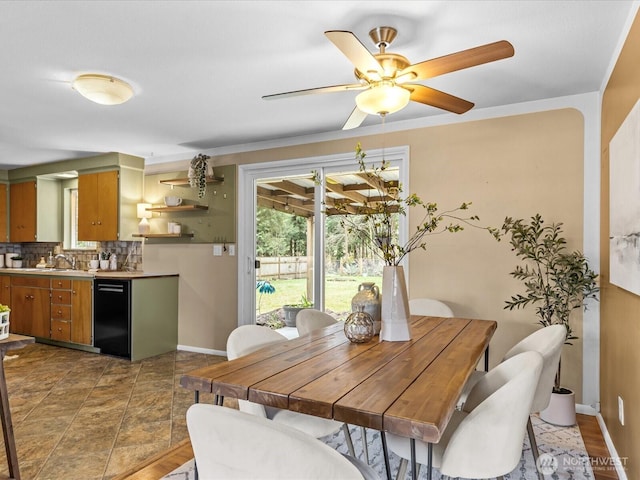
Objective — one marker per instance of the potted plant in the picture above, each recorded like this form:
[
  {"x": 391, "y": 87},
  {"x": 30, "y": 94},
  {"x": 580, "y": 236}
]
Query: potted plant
[
  {"x": 556, "y": 282},
  {"x": 291, "y": 310},
  {"x": 375, "y": 223},
  {"x": 104, "y": 260}
]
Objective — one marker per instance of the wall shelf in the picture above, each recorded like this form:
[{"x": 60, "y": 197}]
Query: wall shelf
[
  {"x": 184, "y": 182},
  {"x": 178, "y": 208},
  {"x": 162, "y": 235}
]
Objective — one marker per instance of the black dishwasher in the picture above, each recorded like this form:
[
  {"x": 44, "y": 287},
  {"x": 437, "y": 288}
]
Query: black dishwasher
[{"x": 112, "y": 317}]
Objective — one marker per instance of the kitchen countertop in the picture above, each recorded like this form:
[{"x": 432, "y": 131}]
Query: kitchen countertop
[{"x": 84, "y": 273}]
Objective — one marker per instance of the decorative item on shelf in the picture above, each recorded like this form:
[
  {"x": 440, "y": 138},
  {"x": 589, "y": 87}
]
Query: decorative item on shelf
[
  {"x": 368, "y": 297},
  {"x": 143, "y": 214},
  {"x": 94, "y": 264},
  {"x": 358, "y": 327},
  {"x": 4, "y": 321},
  {"x": 374, "y": 221},
  {"x": 113, "y": 262},
  {"x": 198, "y": 173},
  {"x": 557, "y": 282},
  {"x": 171, "y": 201},
  {"x": 16, "y": 262}
]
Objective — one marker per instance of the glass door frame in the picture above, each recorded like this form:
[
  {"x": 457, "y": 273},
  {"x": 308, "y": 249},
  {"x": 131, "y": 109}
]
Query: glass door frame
[{"x": 249, "y": 174}]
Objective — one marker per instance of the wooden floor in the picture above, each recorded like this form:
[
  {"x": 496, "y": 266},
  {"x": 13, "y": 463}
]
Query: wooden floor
[
  {"x": 596, "y": 448},
  {"x": 160, "y": 465}
]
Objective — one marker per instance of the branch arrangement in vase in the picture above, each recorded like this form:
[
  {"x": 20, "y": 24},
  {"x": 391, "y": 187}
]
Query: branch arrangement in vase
[{"x": 375, "y": 221}]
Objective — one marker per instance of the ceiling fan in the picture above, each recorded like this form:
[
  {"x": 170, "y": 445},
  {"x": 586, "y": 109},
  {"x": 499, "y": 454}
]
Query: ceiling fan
[{"x": 386, "y": 79}]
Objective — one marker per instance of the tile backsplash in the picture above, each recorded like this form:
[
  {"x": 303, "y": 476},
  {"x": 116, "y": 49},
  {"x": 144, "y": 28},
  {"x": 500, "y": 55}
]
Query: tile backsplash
[{"x": 129, "y": 254}]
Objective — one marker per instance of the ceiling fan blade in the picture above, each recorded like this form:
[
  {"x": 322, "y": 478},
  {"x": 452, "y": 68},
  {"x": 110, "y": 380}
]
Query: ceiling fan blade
[
  {"x": 309, "y": 91},
  {"x": 458, "y": 61},
  {"x": 355, "y": 51},
  {"x": 355, "y": 119},
  {"x": 436, "y": 98}
]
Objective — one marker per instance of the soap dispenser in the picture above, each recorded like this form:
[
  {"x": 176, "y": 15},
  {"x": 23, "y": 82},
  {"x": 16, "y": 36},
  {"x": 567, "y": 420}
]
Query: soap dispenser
[
  {"x": 51, "y": 261},
  {"x": 113, "y": 262}
]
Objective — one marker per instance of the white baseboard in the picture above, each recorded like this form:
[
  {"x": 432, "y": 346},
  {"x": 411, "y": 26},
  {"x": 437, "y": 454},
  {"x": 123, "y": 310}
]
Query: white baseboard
[
  {"x": 586, "y": 409},
  {"x": 613, "y": 454},
  {"x": 188, "y": 348}
]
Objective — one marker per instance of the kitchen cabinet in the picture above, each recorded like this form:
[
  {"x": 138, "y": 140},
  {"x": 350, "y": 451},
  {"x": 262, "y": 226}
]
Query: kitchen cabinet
[
  {"x": 22, "y": 212},
  {"x": 3, "y": 213},
  {"x": 71, "y": 302},
  {"x": 5, "y": 290},
  {"x": 30, "y": 306},
  {"x": 81, "y": 311},
  {"x": 98, "y": 206},
  {"x": 107, "y": 204}
]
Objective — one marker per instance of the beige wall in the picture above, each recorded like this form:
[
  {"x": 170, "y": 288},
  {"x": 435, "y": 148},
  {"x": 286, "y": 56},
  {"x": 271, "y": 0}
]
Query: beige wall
[
  {"x": 516, "y": 166},
  {"x": 620, "y": 322}
]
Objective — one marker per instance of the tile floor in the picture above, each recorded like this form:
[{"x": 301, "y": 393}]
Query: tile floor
[{"x": 83, "y": 416}]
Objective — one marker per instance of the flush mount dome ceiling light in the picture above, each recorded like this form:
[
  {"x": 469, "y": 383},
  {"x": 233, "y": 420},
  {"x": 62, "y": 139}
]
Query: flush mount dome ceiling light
[{"x": 103, "y": 89}]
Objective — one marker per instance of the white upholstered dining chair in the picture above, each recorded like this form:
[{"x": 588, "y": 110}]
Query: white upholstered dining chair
[
  {"x": 229, "y": 444},
  {"x": 484, "y": 440},
  {"x": 429, "y": 306},
  {"x": 548, "y": 342},
  {"x": 249, "y": 338},
  {"x": 311, "y": 319}
]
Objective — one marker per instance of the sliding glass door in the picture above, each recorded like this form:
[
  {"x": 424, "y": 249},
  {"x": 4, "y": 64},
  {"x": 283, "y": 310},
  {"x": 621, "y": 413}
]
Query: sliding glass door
[{"x": 293, "y": 242}]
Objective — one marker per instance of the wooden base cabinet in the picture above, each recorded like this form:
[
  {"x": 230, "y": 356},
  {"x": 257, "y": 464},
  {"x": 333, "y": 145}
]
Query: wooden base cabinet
[
  {"x": 81, "y": 311},
  {"x": 71, "y": 310},
  {"x": 30, "y": 306}
]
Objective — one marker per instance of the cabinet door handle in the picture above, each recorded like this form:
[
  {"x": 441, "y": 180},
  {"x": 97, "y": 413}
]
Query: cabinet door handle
[
  {"x": 99, "y": 222},
  {"x": 59, "y": 312},
  {"x": 59, "y": 297},
  {"x": 93, "y": 223},
  {"x": 59, "y": 329}
]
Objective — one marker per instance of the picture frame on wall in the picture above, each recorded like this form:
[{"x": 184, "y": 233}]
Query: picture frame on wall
[{"x": 624, "y": 204}]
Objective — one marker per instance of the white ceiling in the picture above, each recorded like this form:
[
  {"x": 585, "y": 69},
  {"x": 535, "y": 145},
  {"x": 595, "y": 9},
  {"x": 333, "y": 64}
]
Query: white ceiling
[{"x": 199, "y": 68}]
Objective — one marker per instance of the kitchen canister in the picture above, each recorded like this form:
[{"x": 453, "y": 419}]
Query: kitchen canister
[
  {"x": 8, "y": 259},
  {"x": 369, "y": 298}
]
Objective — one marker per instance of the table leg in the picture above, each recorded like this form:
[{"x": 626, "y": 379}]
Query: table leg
[
  {"x": 385, "y": 452},
  {"x": 196, "y": 396},
  {"x": 7, "y": 426},
  {"x": 486, "y": 359},
  {"x": 414, "y": 464},
  {"x": 429, "y": 459}
]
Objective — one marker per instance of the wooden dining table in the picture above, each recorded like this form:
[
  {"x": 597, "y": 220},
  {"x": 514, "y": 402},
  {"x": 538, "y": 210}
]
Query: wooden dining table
[{"x": 407, "y": 388}]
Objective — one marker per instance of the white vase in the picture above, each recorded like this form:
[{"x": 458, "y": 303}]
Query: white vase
[
  {"x": 561, "y": 409},
  {"x": 395, "y": 306}
]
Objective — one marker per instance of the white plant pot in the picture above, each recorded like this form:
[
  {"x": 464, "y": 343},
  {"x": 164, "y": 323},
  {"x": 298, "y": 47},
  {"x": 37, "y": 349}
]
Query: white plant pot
[
  {"x": 395, "y": 306},
  {"x": 104, "y": 264},
  {"x": 561, "y": 409}
]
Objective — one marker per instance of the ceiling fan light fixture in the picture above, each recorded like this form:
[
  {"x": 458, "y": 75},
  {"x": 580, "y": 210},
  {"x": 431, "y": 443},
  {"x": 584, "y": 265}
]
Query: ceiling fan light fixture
[
  {"x": 383, "y": 99},
  {"x": 103, "y": 89}
]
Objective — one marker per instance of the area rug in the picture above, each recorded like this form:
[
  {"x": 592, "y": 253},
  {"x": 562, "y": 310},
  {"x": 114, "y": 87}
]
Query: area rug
[{"x": 563, "y": 455}]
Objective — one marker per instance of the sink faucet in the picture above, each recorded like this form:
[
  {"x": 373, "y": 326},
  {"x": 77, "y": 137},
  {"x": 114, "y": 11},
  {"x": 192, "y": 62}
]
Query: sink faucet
[{"x": 71, "y": 262}]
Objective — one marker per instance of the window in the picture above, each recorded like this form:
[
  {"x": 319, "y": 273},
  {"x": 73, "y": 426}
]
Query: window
[{"x": 73, "y": 224}]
